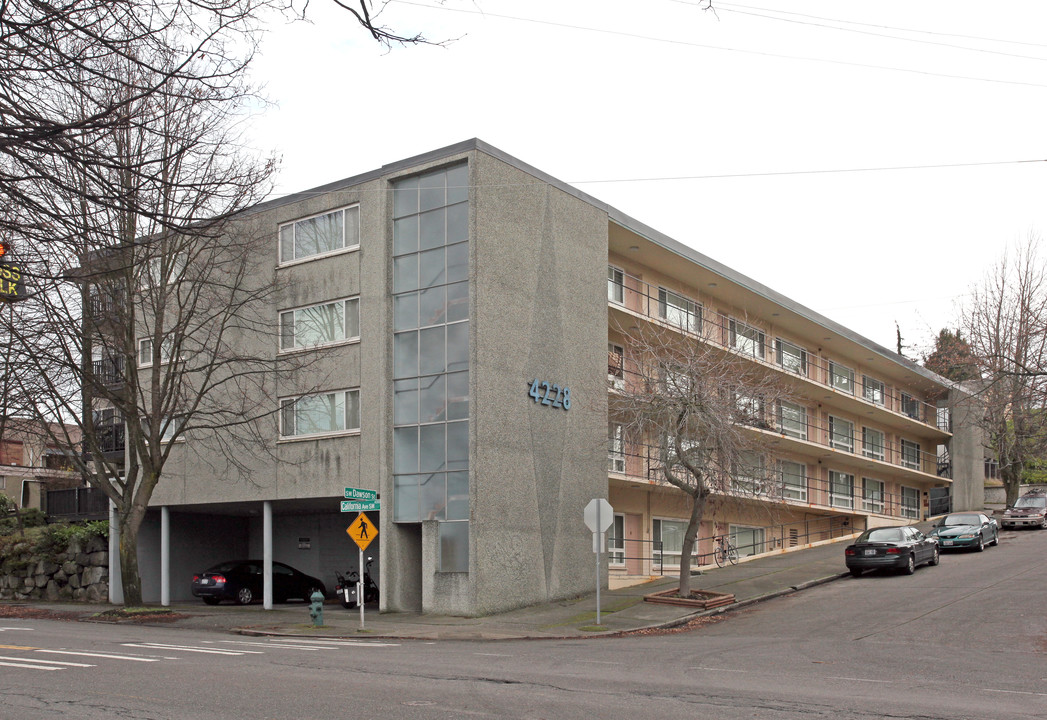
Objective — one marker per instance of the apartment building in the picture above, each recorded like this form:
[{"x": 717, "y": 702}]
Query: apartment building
[
  {"x": 456, "y": 308},
  {"x": 31, "y": 464}
]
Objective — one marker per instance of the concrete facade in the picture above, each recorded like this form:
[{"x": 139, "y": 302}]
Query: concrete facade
[{"x": 538, "y": 310}]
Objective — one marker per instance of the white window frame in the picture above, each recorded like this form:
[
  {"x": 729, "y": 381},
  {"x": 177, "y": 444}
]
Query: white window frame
[
  {"x": 873, "y": 390},
  {"x": 841, "y": 500},
  {"x": 872, "y": 495},
  {"x": 784, "y": 350},
  {"x": 616, "y": 541},
  {"x": 747, "y": 339},
  {"x": 145, "y": 352},
  {"x": 800, "y": 411},
  {"x": 906, "y": 461},
  {"x": 910, "y": 511},
  {"x": 833, "y": 443},
  {"x": 349, "y": 305},
  {"x": 848, "y": 376},
  {"x": 350, "y": 419},
  {"x": 615, "y": 449},
  {"x": 685, "y": 313},
  {"x": 759, "y": 543},
  {"x": 791, "y": 491},
  {"x": 287, "y": 232},
  {"x": 616, "y": 373},
  {"x": 911, "y": 406},
  {"x": 656, "y": 534},
  {"x": 615, "y": 285},
  {"x": 870, "y": 449},
  {"x": 742, "y": 478}
]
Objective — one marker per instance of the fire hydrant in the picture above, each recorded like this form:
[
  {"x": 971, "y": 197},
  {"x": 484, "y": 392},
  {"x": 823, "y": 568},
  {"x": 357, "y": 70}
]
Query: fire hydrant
[{"x": 316, "y": 608}]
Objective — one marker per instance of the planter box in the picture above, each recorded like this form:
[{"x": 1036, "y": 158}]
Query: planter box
[{"x": 699, "y": 600}]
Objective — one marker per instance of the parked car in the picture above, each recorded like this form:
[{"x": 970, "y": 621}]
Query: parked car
[
  {"x": 966, "y": 530},
  {"x": 902, "y": 547},
  {"x": 241, "y": 582},
  {"x": 1030, "y": 510}
]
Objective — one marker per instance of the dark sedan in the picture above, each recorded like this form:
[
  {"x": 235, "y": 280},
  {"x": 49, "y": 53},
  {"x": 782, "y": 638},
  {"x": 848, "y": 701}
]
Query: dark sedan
[
  {"x": 241, "y": 582},
  {"x": 902, "y": 547},
  {"x": 1029, "y": 511},
  {"x": 966, "y": 530}
]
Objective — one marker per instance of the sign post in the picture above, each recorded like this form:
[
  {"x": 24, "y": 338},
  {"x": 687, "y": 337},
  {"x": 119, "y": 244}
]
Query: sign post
[
  {"x": 362, "y": 531},
  {"x": 598, "y": 516}
]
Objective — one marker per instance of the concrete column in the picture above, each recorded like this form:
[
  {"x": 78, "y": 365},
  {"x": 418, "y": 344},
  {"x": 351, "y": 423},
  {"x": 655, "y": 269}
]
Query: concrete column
[
  {"x": 267, "y": 555},
  {"x": 165, "y": 556},
  {"x": 116, "y": 588}
]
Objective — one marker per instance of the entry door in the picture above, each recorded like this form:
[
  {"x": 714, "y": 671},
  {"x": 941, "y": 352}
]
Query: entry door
[{"x": 634, "y": 555}]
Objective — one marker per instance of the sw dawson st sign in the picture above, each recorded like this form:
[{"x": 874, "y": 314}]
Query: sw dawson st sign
[{"x": 360, "y": 500}]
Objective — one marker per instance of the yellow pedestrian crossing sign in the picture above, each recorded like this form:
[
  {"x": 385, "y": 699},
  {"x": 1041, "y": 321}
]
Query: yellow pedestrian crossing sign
[{"x": 362, "y": 531}]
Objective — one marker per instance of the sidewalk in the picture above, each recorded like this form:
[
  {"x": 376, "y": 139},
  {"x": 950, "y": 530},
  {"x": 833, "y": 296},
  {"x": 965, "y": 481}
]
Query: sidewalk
[{"x": 622, "y": 610}]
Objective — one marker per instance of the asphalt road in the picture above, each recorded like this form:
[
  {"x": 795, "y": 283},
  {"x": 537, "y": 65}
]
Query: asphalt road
[{"x": 966, "y": 639}]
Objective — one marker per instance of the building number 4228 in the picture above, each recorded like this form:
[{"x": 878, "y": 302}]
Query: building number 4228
[{"x": 546, "y": 393}]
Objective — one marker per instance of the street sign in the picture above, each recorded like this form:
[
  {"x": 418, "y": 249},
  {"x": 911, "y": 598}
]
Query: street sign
[
  {"x": 352, "y": 506},
  {"x": 598, "y": 515},
  {"x": 360, "y": 494},
  {"x": 362, "y": 531}
]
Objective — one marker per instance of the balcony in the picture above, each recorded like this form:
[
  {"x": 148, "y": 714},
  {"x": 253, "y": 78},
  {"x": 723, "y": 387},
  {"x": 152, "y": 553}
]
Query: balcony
[
  {"x": 108, "y": 372},
  {"x": 858, "y": 393},
  {"x": 111, "y": 441}
]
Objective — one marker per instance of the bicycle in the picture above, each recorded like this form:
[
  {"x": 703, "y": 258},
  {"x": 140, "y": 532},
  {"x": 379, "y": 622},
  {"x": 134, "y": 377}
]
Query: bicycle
[{"x": 725, "y": 551}]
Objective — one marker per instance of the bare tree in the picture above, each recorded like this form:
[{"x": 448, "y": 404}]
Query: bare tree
[
  {"x": 1005, "y": 323},
  {"x": 704, "y": 413}
]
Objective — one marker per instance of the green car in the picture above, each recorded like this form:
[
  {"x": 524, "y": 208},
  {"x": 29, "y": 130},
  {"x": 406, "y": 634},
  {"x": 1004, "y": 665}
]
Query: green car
[{"x": 966, "y": 530}]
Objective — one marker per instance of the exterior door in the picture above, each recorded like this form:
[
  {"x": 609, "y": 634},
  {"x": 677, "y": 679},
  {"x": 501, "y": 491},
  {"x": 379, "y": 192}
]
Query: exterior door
[{"x": 634, "y": 555}]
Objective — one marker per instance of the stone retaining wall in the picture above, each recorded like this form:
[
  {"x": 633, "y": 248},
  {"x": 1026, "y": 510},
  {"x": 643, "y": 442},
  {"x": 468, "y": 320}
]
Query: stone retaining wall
[{"x": 80, "y": 573}]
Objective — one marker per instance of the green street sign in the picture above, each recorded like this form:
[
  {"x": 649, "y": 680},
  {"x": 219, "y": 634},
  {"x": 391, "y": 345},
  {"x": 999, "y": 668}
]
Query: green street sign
[
  {"x": 351, "y": 506},
  {"x": 360, "y": 494}
]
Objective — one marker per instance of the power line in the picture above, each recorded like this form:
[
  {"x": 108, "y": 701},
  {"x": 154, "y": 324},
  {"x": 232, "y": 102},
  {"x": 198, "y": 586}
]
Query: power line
[{"x": 704, "y": 46}]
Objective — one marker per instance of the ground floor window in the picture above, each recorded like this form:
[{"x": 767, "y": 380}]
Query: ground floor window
[
  {"x": 668, "y": 536},
  {"x": 616, "y": 541},
  {"x": 747, "y": 540}
]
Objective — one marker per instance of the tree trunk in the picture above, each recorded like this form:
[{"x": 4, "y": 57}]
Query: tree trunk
[
  {"x": 689, "y": 538},
  {"x": 130, "y": 580},
  {"x": 1011, "y": 484}
]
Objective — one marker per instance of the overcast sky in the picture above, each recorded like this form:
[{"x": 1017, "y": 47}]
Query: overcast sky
[{"x": 763, "y": 135}]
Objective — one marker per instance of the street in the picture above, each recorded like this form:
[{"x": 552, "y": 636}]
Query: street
[{"x": 965, "y": 639}]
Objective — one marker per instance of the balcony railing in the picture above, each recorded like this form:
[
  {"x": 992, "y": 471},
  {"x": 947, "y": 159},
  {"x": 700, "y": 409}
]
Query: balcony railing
[
  {"x": 689, "y": 316},
  {"x": 843, "y": 490},
  {"x": 77, "y": 503},
  {"x": 108, "y": 371},
  {"x": 111, "y": 439}
]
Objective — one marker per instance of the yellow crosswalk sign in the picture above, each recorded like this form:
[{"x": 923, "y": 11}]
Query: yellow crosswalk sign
[{"x": 362, "y": 531}]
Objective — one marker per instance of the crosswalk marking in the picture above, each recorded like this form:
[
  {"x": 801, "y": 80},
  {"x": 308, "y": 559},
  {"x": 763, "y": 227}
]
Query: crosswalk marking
[
  {"x": 135, "y": 658},
  {"x": 189, "y": 648},
  {"x": 48, "y": 662},
  {"x": 30, "y": 667}
]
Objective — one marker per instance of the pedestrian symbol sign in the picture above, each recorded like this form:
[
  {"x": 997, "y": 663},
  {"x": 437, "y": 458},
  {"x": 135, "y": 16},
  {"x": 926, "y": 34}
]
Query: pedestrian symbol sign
[{"x": 362, "y": 531}]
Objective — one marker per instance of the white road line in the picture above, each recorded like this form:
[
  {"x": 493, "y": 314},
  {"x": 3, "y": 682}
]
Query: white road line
[
  {"x": 851, "y": 679},
  {"x": 185, "y": 648},
  {"x": 712, "y": 669},
  {"x": 48, "y": 662},
  {"x": 2, "y": 629},
  {"x": 30, "y": 667},
  {"x": 1015, "y": 692},
  {"x": 493, "y": 654},
  {"x": 339, "y": 643},
  {"x": 136, "y": 658},
  {"x": 285, "y": 646}
]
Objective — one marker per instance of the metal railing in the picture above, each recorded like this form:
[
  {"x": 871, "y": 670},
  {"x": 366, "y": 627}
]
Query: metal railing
[
  {"x": 671, "y": 308},
  {"x": 76, "y": 503}
]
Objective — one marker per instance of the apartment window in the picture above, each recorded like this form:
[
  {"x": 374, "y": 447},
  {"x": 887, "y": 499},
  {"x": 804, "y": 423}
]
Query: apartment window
[
  {"x": 615, "y": 449},
  {"x": 794, "y": 480},
  {"x": 749, "y": 472},
  {"x": 746, "y": 339},
  {"x": 615, "y": 285},
  {"x": 791, "y": 357},
  {"x": 841, "y": 434},
  {"x": 872, "y": 443},
  {"x": 669, "y": 533},
  {"x": 678, "y": 310},
  {"x": 145, "y": 351},
  {"x": 748, "y": 540},
  {"x": 616, "y": 366},
  {"x": 910, "y": 406},
  {"x": 320, "y": 414},
  {"x": 992, "y": 469},
  {"x": 841, "y": 489},
  {"x": 616, "y": 541},
  {"x": 169, "y": 427},
  {"x": 841, "y": 378},
  {"x": 793, "y": 419},
  {"x": 750, "y": 409},
  {"x": 320, "y": 234},
  {"x": 872, "y": 495},
  {"x": 320, "y": 324},
  {"x": 910, "y": 455},
  {"x": 872, "y": 390},
  {"x": 910, "y": 503}
]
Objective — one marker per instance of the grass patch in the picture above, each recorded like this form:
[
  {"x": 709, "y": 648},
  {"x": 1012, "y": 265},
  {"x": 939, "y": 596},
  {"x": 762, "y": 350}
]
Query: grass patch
[
  {"x": 594, "y": 628},
  {"x": 589, "y": 616}
]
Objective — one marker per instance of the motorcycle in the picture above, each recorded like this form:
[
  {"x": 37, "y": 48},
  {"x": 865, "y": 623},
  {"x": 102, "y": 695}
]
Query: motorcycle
[{"x": 346, "y": 586}]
